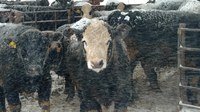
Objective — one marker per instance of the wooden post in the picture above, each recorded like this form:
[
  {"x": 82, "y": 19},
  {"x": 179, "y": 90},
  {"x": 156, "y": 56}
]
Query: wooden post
[
  {"x": 55, "y": 18},
  {"x": 68, "y": 16},
  {"x": 95, "y": 2},
  {"x": 121, "y": 6},
  {"x": 181, "y": 43},
  {"x": 180, "y": 58}
]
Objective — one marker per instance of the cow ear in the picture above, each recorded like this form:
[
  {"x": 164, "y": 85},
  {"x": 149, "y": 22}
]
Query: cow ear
[
  {"x": 79, "y": 36},
  {"x": 48, "y": 35},
  {"x": 57, "y": 36},
  {"x": 11, "y": 43},
  {"x": 68, "y": 32},
  {"x": 123, "y": 30},
  {"x": 110, "y": 28}
]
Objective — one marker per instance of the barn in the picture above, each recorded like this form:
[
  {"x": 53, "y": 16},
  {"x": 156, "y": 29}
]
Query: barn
[{"x": 162, "y": 48}]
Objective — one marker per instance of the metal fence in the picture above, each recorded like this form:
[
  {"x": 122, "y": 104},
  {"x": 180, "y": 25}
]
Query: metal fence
[
  {"x": 69, "y": 17},
  {"x": 184, "y": 87}
]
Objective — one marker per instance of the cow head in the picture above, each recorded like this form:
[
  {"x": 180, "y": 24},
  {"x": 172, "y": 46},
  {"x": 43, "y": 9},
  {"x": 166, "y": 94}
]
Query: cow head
[
  {"x": 31, "y": 48},
  {"x": 98, "y": 39},
  {"x": 54, "y": 52},
  {"x": 16, "y": 16},
  {"x": 96, "y": 42}
]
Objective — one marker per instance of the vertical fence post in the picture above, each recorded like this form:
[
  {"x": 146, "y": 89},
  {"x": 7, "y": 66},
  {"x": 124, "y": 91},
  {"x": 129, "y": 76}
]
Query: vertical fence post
[
  {"x": 69, "y": 16},
  {"x": 182, "y": 67},
  {"x": 35, "y": 14},
  {"x": 181, "y": 57},
  {"x": 55, "y": 18}
]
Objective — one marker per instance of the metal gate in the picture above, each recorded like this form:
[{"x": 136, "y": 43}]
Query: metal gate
[
  {"x": 184, "y": 105},
  {"x": 56, "y": 21}
]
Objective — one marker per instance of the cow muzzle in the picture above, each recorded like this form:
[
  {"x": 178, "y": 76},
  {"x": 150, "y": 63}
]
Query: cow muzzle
[{"x": 96, "y": 65}]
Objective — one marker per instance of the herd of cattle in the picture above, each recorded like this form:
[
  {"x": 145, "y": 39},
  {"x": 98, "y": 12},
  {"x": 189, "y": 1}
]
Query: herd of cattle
[
  {"x": 28, "y": 55},
  {"x": 96, "y": 61}
]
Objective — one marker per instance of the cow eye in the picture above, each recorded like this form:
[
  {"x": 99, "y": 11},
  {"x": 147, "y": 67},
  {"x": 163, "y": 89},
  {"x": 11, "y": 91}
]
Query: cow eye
[
  {"x": 49, "y": 46},
  {"x": 108, "y": 43},
  {"x": 84, "y": 43},
  {"x": 59, "y": 46}
]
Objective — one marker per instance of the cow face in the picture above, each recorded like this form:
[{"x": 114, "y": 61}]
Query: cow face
[
  {"x": 54, "y": 55},
  {"x": 54, "y": 52},
  {"x": 31, "y": 51},
  {"x": 96, "y": 41}
]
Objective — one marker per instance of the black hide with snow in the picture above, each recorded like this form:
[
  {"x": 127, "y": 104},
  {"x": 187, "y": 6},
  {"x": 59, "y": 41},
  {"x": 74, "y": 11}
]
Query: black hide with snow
[
  {"x": 162, "y": 5},
  {"x": 22, "y": 53},
  {"x": 154, "y": 35},
  {"x": 71, "y": 59}
]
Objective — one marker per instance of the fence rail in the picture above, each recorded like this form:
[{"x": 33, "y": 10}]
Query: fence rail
[
  {"x": 181, "y": 61},
  {"x": 68, "y": 17}
]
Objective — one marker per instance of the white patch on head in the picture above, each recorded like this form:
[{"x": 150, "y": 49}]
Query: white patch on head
[
  {"x": 127, "y": 18},
  {"x": 73, "y": 38},
  {"x": 96, "y": 42}
]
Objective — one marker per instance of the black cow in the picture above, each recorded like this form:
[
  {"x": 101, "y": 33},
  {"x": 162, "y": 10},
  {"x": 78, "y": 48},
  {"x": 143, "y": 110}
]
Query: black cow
[
  {"x": 70, "y": 62},
  {"x": 54, "y": 54},
  {"x": 24, "y": 66},
  {"x": 154, "y": 38}
]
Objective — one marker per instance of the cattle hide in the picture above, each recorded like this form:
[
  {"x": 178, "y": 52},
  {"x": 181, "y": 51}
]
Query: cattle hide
[
  {"x": 22, "y": 54},
  {"x": 54, "y": 54},
  {"x": 154, "y": 35},
  {"x": 162, "y": 5},
  {"x": 71, "y": 60}
]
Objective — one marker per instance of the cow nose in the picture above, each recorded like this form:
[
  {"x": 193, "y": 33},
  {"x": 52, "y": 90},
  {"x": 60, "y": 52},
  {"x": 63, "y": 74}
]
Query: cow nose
[{"x": 97, "y": 63}]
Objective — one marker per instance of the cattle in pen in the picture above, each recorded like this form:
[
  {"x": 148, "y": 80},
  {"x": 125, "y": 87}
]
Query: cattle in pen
[{"x": 24, "y": 54}]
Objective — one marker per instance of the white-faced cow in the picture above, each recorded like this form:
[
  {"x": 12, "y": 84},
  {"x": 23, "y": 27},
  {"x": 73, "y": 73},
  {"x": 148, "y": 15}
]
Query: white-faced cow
[{"x": 104, "y": 77}]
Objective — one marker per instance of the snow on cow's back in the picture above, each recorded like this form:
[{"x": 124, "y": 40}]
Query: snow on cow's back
[{"x": 190, "y": 6}]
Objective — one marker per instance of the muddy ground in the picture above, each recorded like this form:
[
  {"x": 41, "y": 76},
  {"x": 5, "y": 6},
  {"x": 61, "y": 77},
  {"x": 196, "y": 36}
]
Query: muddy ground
[{"x": 148, "y": 101}]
